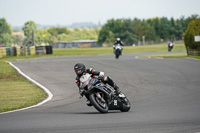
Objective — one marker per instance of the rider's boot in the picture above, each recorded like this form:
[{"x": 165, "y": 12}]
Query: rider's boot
[
  {"x": 88, "y": 103},
  {"x": 111, "y": 83},
  {"x": 117, "y": 90}
]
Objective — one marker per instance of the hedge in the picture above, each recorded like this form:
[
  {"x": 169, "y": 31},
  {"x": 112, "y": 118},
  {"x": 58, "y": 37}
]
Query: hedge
[{"x": 192, "y": 30}]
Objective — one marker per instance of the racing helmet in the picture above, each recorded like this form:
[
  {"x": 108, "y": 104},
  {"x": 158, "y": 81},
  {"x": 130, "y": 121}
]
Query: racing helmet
[
  {"x": 79, "y": 69},
  {"x": 118, "y": 39}
]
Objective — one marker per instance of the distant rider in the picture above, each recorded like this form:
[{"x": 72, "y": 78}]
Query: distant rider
[
  {"x": 170, "y": 45},
  {"x": 80, "y": 70},
  {"x": 118, "y": 41}
]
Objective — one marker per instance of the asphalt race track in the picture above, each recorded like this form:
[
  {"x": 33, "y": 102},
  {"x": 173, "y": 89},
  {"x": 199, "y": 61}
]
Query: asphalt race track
[{"x": 164, "y": 94}]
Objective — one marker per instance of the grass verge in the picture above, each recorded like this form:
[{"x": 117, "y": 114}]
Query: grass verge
[
  {"x": 171, "y": 55},
  {"x": 15, "y": 91},
  {"x": 109, "y": 50},
  {"x": 103, "y": 50}
]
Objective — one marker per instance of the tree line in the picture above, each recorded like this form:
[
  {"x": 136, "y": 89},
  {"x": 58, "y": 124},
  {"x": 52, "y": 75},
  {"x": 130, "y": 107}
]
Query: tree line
[
  {"x": 131, "y": 31},
  {"x": 134, "y": 31},
  {"x": 44, "y": 36}
]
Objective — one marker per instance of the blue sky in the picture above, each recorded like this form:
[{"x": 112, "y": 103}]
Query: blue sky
[{"x": 66, "y": 12}]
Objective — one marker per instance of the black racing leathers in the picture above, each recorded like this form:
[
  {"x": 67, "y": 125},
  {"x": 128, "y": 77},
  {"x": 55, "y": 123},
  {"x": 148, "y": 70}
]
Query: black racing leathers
[
  {"x": 119, "y": 42},
  {"x": 90, "y": 71},
  {"x": 105, "y": 79}
]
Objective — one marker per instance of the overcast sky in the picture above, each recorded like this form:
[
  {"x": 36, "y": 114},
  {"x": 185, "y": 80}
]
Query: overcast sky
[{"x": 66, "y": 12}]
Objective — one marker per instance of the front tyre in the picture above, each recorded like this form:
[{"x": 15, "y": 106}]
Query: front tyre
[
  {"x": 126, "y": 105},
  {"x": 117, "y": 54},
  {"x": 99, "y": 103}
]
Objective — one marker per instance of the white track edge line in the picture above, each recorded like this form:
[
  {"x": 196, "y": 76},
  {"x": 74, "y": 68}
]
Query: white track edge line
[{"x": 50, "y": 95}]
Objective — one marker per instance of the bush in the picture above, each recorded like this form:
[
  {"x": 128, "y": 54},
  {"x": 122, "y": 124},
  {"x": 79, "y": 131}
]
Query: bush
[{"x": 192, "y": 30}]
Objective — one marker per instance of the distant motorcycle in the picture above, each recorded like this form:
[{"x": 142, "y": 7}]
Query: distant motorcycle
[
  {"x": 102, "y": 96},
  {"x": 117, "y": 50},
  {"x": 170, "y": 46}
]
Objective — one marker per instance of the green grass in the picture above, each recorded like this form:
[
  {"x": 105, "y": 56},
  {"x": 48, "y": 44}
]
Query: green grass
[
  {"x": 153, "y": 48},
  {"x": 196, "y": 57},
  {"x": 170, "y": 55},
  {"x": 103, "y": 50},
  {"x": 82, "y": 51},
  {"x": 15, "y": 91},
  {"x": 109, "y": 50}
]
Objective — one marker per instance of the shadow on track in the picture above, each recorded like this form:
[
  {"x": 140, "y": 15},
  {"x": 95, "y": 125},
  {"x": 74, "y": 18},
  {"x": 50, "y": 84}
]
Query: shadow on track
[{"x": 112, "y": 112}]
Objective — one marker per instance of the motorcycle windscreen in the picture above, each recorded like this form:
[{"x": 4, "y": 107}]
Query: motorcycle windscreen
[{"x": 84, "y": 80}]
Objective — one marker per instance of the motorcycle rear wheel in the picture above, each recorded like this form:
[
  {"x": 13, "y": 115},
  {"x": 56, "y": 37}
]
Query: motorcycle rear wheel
[
  {"x": 126, "y": 105},
  {"x": 101, "y": 107}
]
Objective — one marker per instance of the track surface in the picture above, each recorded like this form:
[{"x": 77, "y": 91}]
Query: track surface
[{"x": 164, "y": 94}]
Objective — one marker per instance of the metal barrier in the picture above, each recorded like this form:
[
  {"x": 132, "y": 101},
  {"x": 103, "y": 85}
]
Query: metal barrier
[{"x": 193, "y": 52}]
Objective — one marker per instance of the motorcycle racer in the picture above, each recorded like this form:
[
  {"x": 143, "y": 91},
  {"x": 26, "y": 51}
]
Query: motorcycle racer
[
  {"x": 80, "y": 70},
  {"x": 118, "y": 41}
]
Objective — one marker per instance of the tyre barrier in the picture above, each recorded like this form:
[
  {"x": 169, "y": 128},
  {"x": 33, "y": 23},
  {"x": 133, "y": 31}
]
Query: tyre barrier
[
  {"x": 49, "y": 49},
  {"x": 44, "y": 50},
  {"x": 16, "y": 51},
  {"x": 2, "y": 52}
]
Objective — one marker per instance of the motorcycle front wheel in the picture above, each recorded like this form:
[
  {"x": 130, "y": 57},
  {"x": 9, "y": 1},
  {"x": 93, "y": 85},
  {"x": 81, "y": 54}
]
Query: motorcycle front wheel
[
  {"x": 117, "y": 54},
  {"x": 98, "y": 102}
]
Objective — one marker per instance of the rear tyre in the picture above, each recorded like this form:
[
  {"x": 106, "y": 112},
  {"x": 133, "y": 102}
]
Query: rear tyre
[{"x": 126, "y": 105}]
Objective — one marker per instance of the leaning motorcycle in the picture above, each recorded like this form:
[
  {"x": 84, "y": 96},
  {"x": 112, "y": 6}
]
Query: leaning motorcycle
[
  {"x": 102, "y": 96},
  {"x": 117, "y": 50}
]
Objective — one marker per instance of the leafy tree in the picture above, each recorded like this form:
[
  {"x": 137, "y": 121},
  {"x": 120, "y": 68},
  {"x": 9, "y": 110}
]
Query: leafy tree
[
  {"x": 42, "y": 36},
  {"x": 28, "y": 28},
  {"x": 149, "y": 31},
  {"x": 17, "y": 39},
  {"x": 115, "y": 26},
  {"x": 171, "y": 29},
  {"x": 182, "y": 23},
  {"x": 129, "y": 38},
  {"x": 179, "y": 29},
  {"x": 193, "y": 29},
  {"x": 55, "y": 31},
  {"x": 155, "y": 24},
  {"x": 103, "y": 34},
  {"x": 130, "y": 31},
  {"x": 128, "y": 34},
  {"x": 62, "y": 34},
  {"x": 189, "y": 19},
  {"x": 110, "y": 38},
  {"x": 5, "y": 32},
  {"x": 65, "y": 37},
  {"x": 163, "y": 29}
]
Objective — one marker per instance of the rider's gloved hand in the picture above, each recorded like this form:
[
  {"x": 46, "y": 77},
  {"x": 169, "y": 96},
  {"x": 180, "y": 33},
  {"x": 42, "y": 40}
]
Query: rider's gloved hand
[
  {"x": 81, "y": 91},
  {"x": 101, "y": 76}
]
